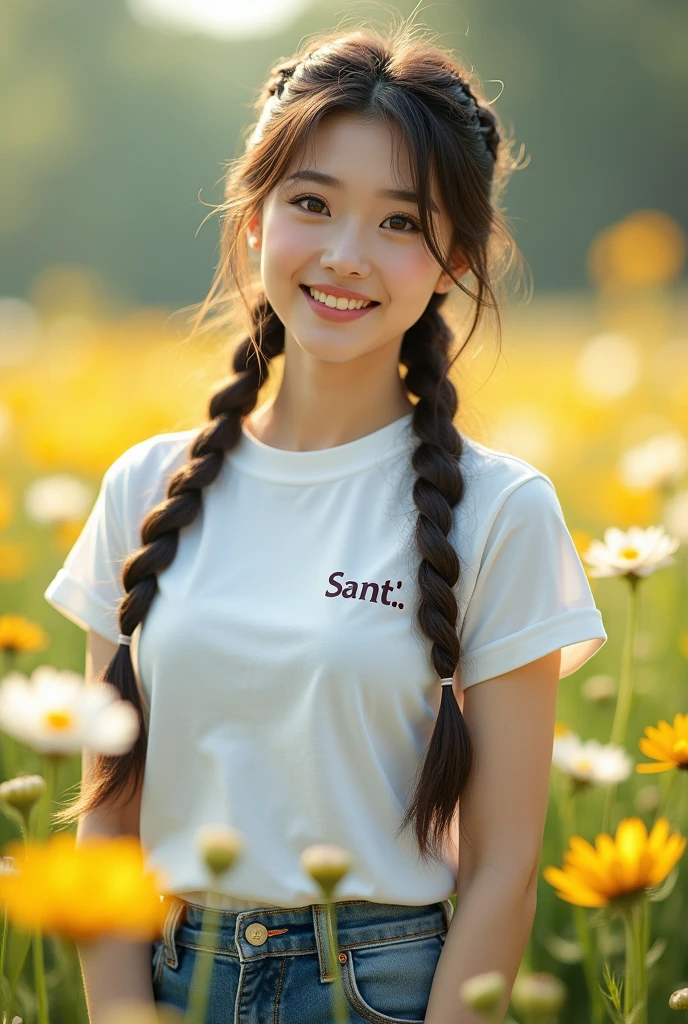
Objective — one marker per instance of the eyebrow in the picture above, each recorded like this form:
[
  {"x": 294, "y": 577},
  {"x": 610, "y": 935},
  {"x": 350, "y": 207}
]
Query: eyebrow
[{"x": 400, "y": 195}]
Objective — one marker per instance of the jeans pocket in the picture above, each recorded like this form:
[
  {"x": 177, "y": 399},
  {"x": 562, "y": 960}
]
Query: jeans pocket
[
  {"x": 389, "y": 982},
  {"x": 158, "y": 951}
]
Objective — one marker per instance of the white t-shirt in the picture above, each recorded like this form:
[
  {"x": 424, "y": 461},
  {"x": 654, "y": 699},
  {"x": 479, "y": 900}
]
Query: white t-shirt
[{"x": 290, "y": 694}]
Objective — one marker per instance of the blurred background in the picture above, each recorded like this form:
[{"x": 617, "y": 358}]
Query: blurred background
[{"x": 116, "y": 120}]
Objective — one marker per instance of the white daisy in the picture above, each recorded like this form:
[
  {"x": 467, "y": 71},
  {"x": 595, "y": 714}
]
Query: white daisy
[
  {"x": 58, "y": 498},
  {"x": 55, "y": 712},
  {"x": 590, "y": 761},
  {"x": 659, "y": 461},
  {"x": 632, "y": 552}
]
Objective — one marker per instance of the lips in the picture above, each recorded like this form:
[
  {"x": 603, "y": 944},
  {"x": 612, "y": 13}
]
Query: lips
[
  {"x": 307, "y": 289},
  {"x": 334, "y": 315}
]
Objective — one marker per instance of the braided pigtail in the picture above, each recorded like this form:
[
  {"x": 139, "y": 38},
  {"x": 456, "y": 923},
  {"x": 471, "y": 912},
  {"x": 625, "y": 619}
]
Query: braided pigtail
[
  {"x": 481, "y": 116},
  {"x": 160, "y": 538},
  {"x": 437, "y": 489}
]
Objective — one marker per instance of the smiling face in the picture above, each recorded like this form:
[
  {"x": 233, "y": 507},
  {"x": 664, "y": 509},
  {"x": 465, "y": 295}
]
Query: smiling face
[{"x": 351, "y": 237}]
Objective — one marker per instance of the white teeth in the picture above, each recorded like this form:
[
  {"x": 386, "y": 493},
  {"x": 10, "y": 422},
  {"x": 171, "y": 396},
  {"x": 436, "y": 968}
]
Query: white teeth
[{"x": 335, "y": 302}]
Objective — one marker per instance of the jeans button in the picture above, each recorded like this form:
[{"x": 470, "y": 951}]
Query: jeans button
[{"x": 256, "y": 934}]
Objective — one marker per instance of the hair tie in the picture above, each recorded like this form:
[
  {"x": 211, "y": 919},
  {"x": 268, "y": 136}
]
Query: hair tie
[
  {"x": 122, "y": 639},
  {"x": 447, "y": 681}
]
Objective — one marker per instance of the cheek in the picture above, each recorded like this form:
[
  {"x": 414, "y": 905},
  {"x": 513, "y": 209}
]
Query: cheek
[
  {"x": 412, "y": 274},
  {"x": 284, "y": 246}
]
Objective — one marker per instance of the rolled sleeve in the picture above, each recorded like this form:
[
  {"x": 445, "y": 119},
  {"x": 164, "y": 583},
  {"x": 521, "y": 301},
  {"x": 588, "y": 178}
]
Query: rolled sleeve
[{"x": 531, "y": 595}]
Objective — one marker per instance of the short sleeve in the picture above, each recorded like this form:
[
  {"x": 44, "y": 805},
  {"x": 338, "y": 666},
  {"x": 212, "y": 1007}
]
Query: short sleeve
[
  {"x": 531, "y": 594},
  {"x": 87, "y": 589}
]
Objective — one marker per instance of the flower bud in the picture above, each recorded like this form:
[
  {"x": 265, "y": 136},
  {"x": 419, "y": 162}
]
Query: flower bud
[
  {"x": 539, "y": 993},
  {"x": 484, "y": 992},
  {"x": 22, "y": 792},
  {"x": 327, "y": 864},
  {"x": 678, "y": 1000},
  {"x": 219, "y": 846},
  {"x": 598, "y": 689}
]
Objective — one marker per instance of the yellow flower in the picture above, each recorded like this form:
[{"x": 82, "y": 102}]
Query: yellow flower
[
  {"x": 81, "y": 892},
  {"x": 667, "y": 744},
  {"x": 18, "y": 635},
  {"x": 594, "y": 876}
]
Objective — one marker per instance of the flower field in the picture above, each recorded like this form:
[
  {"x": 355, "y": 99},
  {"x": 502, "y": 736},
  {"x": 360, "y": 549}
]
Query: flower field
[{"x": 591, "y": 389}]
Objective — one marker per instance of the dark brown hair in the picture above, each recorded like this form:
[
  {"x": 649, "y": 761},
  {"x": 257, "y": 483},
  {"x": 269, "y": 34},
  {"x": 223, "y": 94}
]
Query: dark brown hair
[{"x": 407, "y": 82}]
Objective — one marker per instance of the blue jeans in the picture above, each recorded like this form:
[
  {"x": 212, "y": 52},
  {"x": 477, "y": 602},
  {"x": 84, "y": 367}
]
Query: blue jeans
[{"x": 273, "y": 965}]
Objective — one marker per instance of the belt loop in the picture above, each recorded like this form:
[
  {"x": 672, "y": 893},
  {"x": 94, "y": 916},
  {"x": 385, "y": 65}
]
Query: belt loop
[
  {"x": 320, "y": 928},
  {"x": 176, "y": 910},
  {"x": 448, "y": 909}
]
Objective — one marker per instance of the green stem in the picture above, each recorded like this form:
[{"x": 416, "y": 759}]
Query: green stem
[
  {"x": 567, "y": 818},
  {"x": 667, "y": 793},
  {"x": 2, "y": 961},
  {"x": 203, "y": 970},
  {"x": 7, "y": 1007},
  {"x": 636, "y": 927},
  {"x": 341, "y": 1013},
  {"x": 642, "y": 929},
  {"x": 625, "y": 695},
  {"x": 43, "y": 810},
  {"x": 629, "y": 975}
]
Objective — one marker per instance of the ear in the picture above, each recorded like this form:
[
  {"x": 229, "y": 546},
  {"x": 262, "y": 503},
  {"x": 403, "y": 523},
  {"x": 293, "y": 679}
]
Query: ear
[
  {"x": 444, "y": 282},
  {"x": 253, "y": 231}
]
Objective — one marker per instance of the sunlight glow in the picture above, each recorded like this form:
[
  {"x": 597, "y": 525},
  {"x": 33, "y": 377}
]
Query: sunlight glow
[{"x": 219, "y": 18}]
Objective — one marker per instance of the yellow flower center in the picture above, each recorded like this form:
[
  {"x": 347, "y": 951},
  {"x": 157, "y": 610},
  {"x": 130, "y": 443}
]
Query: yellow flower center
[
  {"x": 583, "y": 764},
  {"x": 681, "y": 750},
  {"x": 58, "y": 720},
  {"x": 630, "y": 553}
]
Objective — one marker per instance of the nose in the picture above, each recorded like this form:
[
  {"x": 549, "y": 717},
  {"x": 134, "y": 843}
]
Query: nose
[{"x": 345, "y": 255}]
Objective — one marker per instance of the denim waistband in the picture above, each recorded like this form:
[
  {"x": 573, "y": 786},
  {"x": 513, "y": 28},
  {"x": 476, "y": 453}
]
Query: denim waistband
[
  {"x": 270, "y": 931},
  {"x": 220, "y": 900}
]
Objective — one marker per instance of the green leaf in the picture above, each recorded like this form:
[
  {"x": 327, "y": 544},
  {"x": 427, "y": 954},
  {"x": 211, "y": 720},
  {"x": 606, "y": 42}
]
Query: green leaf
[
  {"x": 613, "y": 1013},
  {"x": 614, "y": 987},
  {"x": 654, "y": 952},
  {"x": 636, "y": 1013},
  {"x": 18, "y": 944}
]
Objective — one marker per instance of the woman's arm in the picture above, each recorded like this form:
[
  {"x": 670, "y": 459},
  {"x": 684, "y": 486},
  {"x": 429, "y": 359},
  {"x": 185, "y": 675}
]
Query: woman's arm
[{"x": 511, "y": 718}]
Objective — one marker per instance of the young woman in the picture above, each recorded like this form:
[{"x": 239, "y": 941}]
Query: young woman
[{"x": 312, "y": 589}]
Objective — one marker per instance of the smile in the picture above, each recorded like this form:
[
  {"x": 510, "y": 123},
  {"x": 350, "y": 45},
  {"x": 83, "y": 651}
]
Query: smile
[{"x": 331, "y": 312}]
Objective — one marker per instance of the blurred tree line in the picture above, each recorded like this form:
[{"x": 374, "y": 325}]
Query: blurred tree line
[{"x": 113, "y": 134}]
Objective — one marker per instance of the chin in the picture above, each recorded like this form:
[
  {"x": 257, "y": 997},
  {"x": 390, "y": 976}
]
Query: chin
[{"x": 333, "y": 349}]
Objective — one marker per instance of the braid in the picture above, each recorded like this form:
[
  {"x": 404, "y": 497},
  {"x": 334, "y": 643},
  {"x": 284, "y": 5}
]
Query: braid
[
  {"x": 160, "y": 538},
  {"x": 437, "y": 489},
  {"x": 277, "y": 80},
  {"x": 482, "y": 116}
]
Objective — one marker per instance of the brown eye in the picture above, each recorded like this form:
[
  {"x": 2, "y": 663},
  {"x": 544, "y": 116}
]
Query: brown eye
[
  {"x": 302, "y": 199},
  {"x": 409, "y": 220}
]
